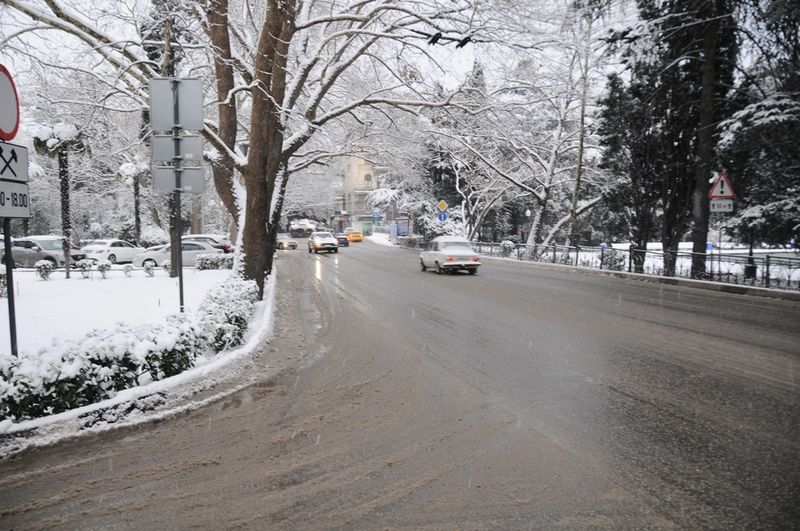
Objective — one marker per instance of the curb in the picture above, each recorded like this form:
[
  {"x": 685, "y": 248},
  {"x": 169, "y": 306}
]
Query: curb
[{"x": 737, "y": 289}]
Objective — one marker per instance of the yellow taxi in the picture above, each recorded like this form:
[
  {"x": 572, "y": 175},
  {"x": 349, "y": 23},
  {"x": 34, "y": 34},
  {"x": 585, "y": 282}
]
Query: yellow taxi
[{"x": 355, "y": 236}]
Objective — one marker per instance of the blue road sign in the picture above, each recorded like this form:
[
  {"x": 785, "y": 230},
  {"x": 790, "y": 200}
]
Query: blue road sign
[
  {"x": 376, "y": 215},
  {"x": 442, "y": 216}
]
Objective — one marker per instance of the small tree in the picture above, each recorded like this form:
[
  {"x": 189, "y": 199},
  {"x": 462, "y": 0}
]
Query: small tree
[{"x": 58, "y": 141}]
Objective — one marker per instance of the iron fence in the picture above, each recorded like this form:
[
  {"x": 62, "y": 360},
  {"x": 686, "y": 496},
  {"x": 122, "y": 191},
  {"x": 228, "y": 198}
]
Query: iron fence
[{"x": 763, "y": 270}]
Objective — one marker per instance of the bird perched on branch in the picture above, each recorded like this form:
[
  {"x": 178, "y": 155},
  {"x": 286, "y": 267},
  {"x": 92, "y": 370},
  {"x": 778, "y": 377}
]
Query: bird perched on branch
[
  {"x": 435, "y": 37},
  {"x": 463, "y": 42}
]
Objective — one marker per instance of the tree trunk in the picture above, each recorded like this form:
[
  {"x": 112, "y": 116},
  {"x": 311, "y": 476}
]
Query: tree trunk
[
  {"x": 137, "y": 211},
  {"x": 197, "y": 214},
  {"x": 705, "y": 146},
  {"x": 66, "y": 225},
  {"x": 223, "y": 170},
  {"x": 573, "y": 238}
]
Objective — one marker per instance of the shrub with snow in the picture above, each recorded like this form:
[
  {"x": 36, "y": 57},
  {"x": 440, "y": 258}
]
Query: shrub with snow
[
  {"x": 43, "y": 269},
  {"x": 3, "y": 285},
  {"x": 214, "y": 261},
  {"x": 85, "y": 267},
  {"x": 127, "y": 269},
  {"x": 166, "y": 265},
  {"x": 225, "y": 310},
  {"x": 149, "y": 270},
  {"x": 507, "y": 247},
  {"x": 104, "y": 266},
  {"x": 75, "y": 373}
]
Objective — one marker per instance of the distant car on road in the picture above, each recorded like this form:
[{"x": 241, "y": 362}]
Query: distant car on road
[
  {"x": 355, "y": 236},
  {"x": 341, "y": 237},
  {"x": 322, "y": 241},
  {"x": 112, "y": 250},
  {"x": 27, "y": 251},
  {"x": 285, "y": 241},
  {"x": 450, "y": 253},
  {"x": 190, "y": 251}
]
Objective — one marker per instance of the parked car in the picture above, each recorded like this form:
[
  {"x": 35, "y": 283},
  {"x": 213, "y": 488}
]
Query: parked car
[
  {"x": 341, "y": 237},
  {"x": 29, "y": 250},
  {"x": 322, "y": 241},
  {"x": 112, "y": 250},
  {"x": 450, "y": 253},
  {"x": 285, "y": 241},
  {"x": 355, "y": 236},
  {"x": 190, "y": 251},
  {"x": 215, "y": 240}
]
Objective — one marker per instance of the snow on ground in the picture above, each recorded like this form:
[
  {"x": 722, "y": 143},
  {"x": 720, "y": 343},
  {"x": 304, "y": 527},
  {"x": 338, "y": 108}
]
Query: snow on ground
[
  {"x": 380, "y": 238},
  {"x": 70, "y": 308}
]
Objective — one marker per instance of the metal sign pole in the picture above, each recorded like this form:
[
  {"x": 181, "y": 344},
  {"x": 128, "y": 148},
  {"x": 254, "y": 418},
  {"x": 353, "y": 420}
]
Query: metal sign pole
[
  {"x": 177, "y": 160},
  {"x": 9, "y": 258}
]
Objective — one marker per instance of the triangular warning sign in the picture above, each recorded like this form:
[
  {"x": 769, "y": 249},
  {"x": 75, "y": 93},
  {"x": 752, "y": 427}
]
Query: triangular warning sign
[{"x": 722, "y": 188}]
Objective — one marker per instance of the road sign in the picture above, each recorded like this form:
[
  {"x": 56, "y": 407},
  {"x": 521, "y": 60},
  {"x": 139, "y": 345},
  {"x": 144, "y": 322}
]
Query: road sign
[
  {"x": 13, "y": 162},
  {"x": 721, "y": 205},
  {"x": 442, "y": 205},
  {"x": 376, "y": 214},
  {"x": 193, "y": 180},
  {"x": 9, "y": 106},
  {"x": 190, "y": 104},
  {"x": 442, "y": 216},
  {"x": 14, "y": 200},
  {"x": 722, "y": 189},
  {"x": 162, "y": 148}
]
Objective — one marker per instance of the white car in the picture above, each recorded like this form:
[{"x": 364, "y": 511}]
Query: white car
[
  {"x": 191, "y": 249},
  {"x": 322, "y": 241},
  {"x": 450, "y": 253},
  {"x": 215, "y": 240},
  {"x": 112, "y": 250}
]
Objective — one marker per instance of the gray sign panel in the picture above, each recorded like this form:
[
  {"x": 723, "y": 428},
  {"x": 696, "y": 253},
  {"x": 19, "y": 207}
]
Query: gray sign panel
[
  {"x": 190, "y": 104},
  {"x": 721, "y": 205},
  {"x": 193, "y": 180},
  {"x": 163, "y": 148},
  {"x": 13, "y": 162},
  {"x": 14, "y": 200}
]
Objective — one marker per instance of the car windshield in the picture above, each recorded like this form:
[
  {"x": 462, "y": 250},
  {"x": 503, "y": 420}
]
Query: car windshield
[
  {"x": 322, "y": 235},
  {"x": 284, "y": 236},
  {"x": 49, "y": 245}
]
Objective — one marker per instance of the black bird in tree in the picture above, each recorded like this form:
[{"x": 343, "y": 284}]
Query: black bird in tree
[
  {"x": 463, "y": 42},
  {"x": 435, "y": 37}
]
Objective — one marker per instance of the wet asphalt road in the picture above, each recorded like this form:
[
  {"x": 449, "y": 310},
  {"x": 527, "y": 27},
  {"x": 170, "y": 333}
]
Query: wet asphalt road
[{"x": 520, "y": 398}]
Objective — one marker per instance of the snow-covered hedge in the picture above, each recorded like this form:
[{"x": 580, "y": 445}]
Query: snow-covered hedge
[
  {"x": 76, "y": 373},
  {"x": 225, "y": 310},
  {"x": 43, "y": 269},
  {"x": 214, "y": 261},
  {"x": 3, "y": 285}
]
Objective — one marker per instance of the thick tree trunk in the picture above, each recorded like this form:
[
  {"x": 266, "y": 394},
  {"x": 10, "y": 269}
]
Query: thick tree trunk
[
  {"x": 66, "y": 223},
  {"x": 223, "y": 170},
  {"x": 705, "y": 146}
]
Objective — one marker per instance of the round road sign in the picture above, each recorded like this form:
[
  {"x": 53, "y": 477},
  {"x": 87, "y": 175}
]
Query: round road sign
[{"x": 9, "y": 106}]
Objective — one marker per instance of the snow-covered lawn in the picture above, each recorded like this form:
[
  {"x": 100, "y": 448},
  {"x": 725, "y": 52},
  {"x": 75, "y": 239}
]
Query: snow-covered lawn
[
  {"x": 381, "y": 239},
  {"x": 65, "y": 308}
]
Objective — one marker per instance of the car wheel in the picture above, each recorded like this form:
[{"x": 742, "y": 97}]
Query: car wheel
[
  {"x": 112, "y": 258},
  {"x": 438, "y": 269},
  {"x": 473, "y": 271},
  {"x": 422, "y": 265},
  {"x": 52, "y": 262},
  {"x": 336, "y": 250},
  {"x": 316, "y": 251},
  {"x": 150, "y": 261}
]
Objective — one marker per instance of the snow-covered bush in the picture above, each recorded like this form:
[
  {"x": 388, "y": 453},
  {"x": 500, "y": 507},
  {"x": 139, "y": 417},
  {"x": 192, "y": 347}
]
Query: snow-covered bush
[
  {"x": 75, "y": 373},
  {"x": 3, "y": 285},
  {"x": 85, "y": 267},
  {"x": 613, "y": 260},
  {"x": 214, "y": 261},
  {"x": 43, "y": 269},
  {"x": 127, "y": 269},
  {"x": 104, "y": 266},
  {"x": 507, "y": 247},
  {"x": 148, "y": 269},
  {"x": 225, "y": 310}
]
